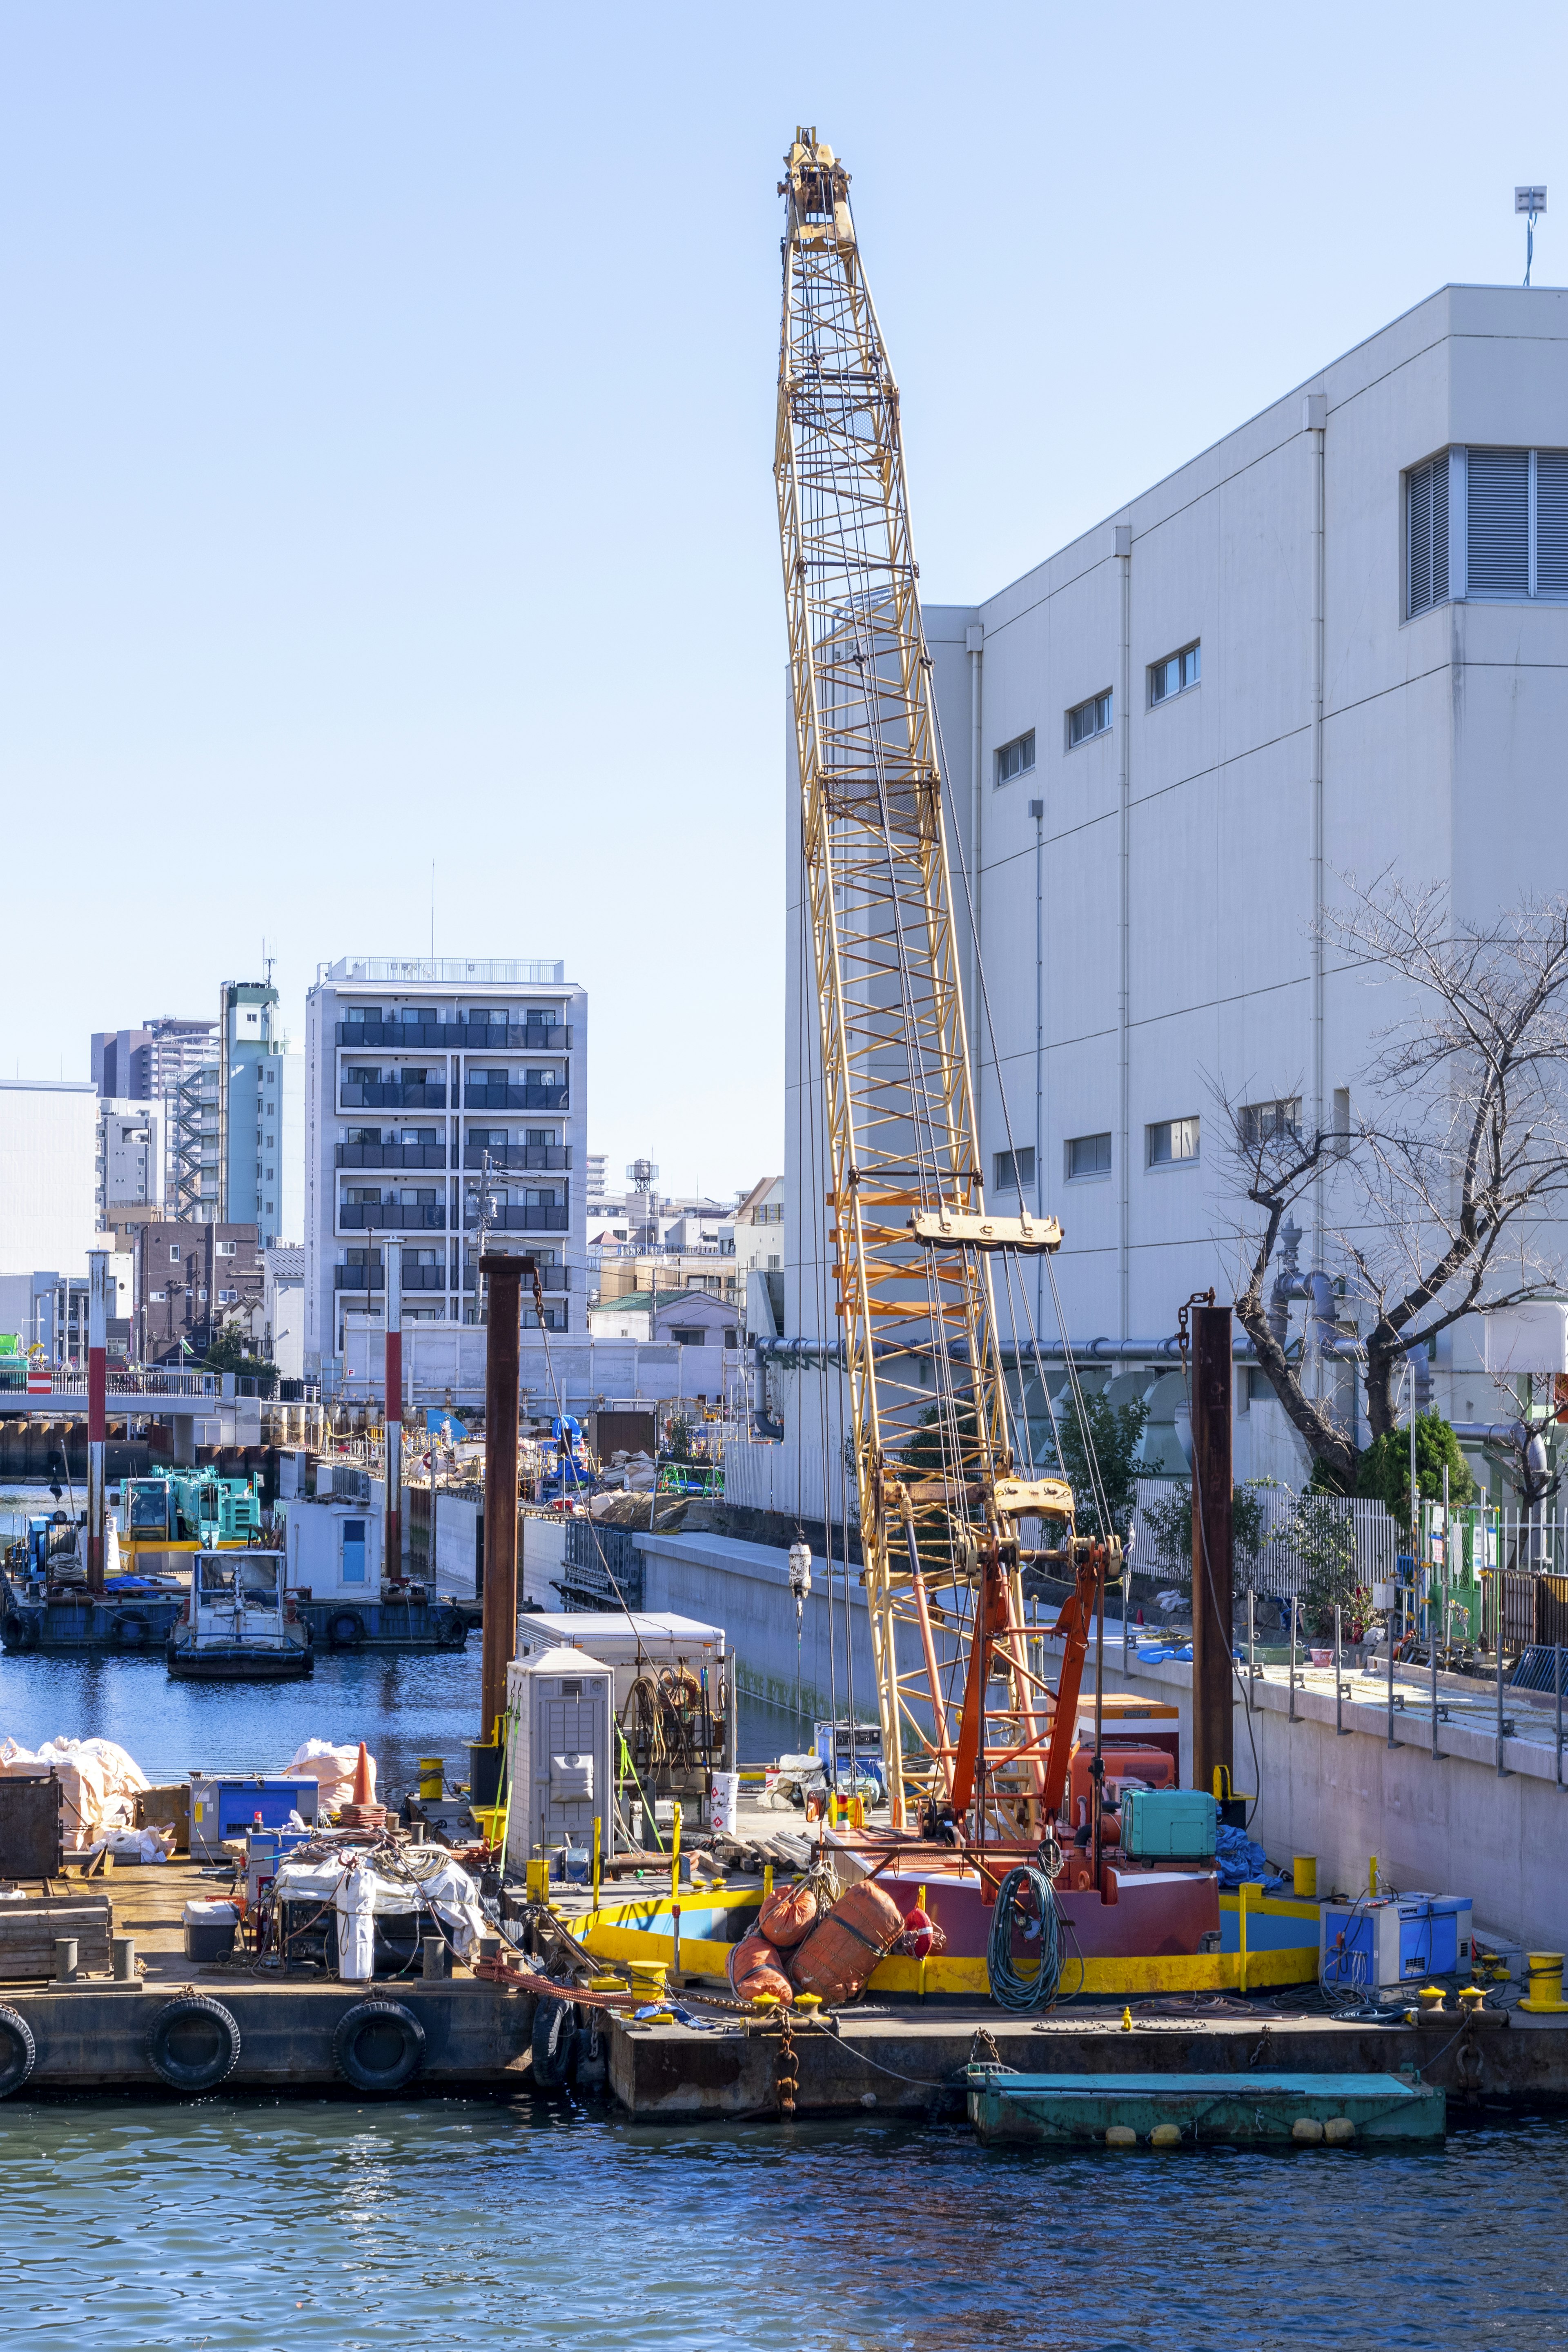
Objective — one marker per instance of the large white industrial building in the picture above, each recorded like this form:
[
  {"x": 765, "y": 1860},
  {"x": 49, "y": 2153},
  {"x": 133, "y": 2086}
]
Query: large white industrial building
[{"x": 1333, "y": 643}]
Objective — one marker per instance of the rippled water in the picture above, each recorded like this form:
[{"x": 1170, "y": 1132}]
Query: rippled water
[{"x": 274, "y": 2224}]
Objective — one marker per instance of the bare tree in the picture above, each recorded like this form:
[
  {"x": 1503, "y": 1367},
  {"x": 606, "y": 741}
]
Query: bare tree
[{"x": 1458, "y": 1155}]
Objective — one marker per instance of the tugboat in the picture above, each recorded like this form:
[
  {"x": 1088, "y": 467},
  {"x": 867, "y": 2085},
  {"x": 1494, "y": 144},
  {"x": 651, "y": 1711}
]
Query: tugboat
[{"x": 239, "y": 1624}]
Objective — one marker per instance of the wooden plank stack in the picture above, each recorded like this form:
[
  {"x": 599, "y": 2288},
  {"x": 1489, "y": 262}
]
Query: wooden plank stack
[{"x": 29, "y": 1930}]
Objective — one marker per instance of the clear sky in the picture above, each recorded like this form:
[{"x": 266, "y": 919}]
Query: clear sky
[{"x": 387, "y": 401}]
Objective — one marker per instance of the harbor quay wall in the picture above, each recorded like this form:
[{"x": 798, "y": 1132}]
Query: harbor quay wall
[{"x": 1454, "y": 1827}]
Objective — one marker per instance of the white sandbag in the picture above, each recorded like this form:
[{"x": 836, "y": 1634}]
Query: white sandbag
[
  {"x": 332, "y": 1769},
  {"x": 453, "y": 1897},
  {"x": 135, "y": 1845}
]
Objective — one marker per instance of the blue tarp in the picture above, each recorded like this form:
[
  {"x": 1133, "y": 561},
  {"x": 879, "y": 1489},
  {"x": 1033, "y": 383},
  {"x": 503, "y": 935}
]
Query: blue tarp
[{"x": 436, "y": 1422}]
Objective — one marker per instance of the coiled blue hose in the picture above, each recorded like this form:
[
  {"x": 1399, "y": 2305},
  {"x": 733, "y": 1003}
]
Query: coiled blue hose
[{"x": 1008, "y": 1986}]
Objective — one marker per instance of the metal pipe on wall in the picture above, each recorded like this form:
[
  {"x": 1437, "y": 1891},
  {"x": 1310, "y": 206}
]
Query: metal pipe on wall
[
  {"x": 1123, "y": 546},
  {"x": 973, "y": 640},
  {"x": 1314, "y": 423}
]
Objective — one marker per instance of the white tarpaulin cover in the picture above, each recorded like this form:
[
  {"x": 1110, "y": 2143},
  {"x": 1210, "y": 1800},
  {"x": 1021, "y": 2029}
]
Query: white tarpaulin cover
[
  {"x": 359, "y": 1893},
  {"x": 99, "y": 1779},
  {"x": 332, "y": 1769}
]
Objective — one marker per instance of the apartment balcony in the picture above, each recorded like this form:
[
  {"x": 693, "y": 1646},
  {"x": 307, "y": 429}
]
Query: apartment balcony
[
  {"x": 551, "y": 1277},
  {"x": 373, "y": 1277},
  {"x": 391, "y": 1217},
  {"x": 392, "y": 1155},
  {"x": 455, "y": 1036},
  {"x": 384, "y": 1096},
  {"x": 518, "y": 1155},
  {"x": 514, "y": 1098},
  {"x": 522, "y": 1220}
]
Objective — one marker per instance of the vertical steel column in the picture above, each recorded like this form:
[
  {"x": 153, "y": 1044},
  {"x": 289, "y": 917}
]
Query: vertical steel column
[
  {"x": 97, "y": 1344},
  {"x": 503, "y": 1367},
  {"x": 393, "y": 1421},
  {"x": 1213, "y": 1384}
]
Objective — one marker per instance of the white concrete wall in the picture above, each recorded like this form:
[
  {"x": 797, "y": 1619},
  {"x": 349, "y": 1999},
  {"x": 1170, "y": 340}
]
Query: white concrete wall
[{"x": 48, "y": 1145}]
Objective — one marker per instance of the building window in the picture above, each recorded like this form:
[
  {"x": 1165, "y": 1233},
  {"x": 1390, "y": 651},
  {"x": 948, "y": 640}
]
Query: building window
[
  {"x": 173, "y": 1252},
  {"x": 228, "y": 1298},
  {"x": 1270, "y": 1122},
  {"x": 156, "y": 1297},
  {"x": 1426, "y": 534},
  {"x": 225, "y": 1249},
  {"x": 1014, "y": 758},
  {"x": 1091, "y": 717},
  {"x": 1012, "y": 1170},
  {"x": 1172, "y": 1141},
  {"x": 1088, "y": 1155},
  {"x": 1174, "y": 675}
]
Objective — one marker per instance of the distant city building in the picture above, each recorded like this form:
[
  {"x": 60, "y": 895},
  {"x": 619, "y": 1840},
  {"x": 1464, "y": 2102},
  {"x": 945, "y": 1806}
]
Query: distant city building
[
  {"x": 596, "y": 1180},
  {"x": 48, "y": 1309},
  {"x": 692, "y": 1318},
  {"x": 262, "y": 1116},
  {"x": 192, "y": 1279},
  {"x": 759, "y": 1231},
  {"x": 147, "y": 1065},
  {"x": 444, "y": 1102},
  {"x": 48, "y": 1152},
  {"x": 283, "y": 1307},
  {"x": 128, "y": 1179}
]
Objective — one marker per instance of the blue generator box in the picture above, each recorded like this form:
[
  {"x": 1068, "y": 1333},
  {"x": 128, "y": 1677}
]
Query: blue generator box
[
  {"x": 1168, "y": 1824},
  {"x": 227, "y": 1808},
  {"x": 1376, "y": 1943}
]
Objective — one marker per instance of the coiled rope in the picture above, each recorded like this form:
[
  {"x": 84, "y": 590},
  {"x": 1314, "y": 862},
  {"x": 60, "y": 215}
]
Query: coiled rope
[{"x": 1008, "y": 1985}]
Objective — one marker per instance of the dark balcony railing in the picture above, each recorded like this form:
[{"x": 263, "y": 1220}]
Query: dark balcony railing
[
  {"x": 391, "y": 1217},
  {"x": 392, "y": 1155},
  {"x": 521, "y": 1221},
  {"x": 392, "y": 1097},
  {"x": 455, "y": 1036},
  {"x": 551, "y": 1277},
  {"x": 514, "y": 1098},
  {"x": 518, "y": 1155},
  {"x": 414, "y": 1278}
]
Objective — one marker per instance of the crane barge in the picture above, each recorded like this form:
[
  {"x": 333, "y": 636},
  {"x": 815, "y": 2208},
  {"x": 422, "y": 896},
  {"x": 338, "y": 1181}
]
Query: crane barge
[{"x": 978, "y": 1746}]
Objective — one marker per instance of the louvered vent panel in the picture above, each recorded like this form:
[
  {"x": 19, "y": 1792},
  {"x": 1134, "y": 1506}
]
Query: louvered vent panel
[
  {"x": 1429, "y": 527},
  {"x": 1552, "y": 522},
  {"x": 1499, "y": 532}
]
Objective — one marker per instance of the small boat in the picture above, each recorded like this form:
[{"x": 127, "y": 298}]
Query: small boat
[{"x": 239, "y": 1624}]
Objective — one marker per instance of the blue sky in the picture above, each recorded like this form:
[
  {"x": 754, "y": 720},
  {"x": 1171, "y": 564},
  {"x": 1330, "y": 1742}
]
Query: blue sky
[{"x": 387, "y": 411}]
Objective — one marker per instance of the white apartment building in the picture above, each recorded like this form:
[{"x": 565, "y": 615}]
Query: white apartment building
[
  {"x": 1334, "y": 643},
  {"x": 128, "y": 1178},
  {"x": 440, "y": 1093}
]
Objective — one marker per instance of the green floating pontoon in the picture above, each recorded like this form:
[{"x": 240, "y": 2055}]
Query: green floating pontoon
[{"x": 1193, "y": 2110}]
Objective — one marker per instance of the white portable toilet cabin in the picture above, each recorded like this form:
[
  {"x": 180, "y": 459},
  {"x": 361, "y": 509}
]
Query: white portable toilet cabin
[
  {"x": 559, "y": 1765},
  {"x": 334, "y": 1549}
]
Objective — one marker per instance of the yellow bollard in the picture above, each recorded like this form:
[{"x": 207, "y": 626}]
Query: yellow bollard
[
  {"x": 432, "y": 1779},
  {"x": 767, "y": 1880},
  {"x": 1304, "y": 1877},
  {"x": 538, "y": 1882},
  {"x": 1545, "y": 1982}
]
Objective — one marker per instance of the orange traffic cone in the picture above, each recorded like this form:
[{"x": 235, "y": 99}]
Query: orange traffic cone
[{"x": 362, "y": 1812}]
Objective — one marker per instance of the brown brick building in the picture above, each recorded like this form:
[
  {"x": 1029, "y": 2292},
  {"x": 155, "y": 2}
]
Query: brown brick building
[{"x": 190, "y": 1281}]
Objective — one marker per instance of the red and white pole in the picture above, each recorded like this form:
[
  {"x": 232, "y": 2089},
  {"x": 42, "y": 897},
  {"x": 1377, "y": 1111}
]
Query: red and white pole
[
  {"x": 96, "y": 1411},
  {"x": 393, "y": 1568}
]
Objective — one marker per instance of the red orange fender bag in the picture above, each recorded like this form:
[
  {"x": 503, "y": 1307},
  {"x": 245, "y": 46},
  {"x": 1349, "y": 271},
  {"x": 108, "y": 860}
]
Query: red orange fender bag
[
  {"x": 754, "y": 1967},
  {"x": 788, "y": 1915},
  {"x": 841, "y": 1951}
]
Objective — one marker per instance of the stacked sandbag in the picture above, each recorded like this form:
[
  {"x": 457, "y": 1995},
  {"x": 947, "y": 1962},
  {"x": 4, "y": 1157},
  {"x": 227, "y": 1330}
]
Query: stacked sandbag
[
  {"x": 754, "y": 1967},
  {"x": 840, "y": 1952},
  {"x": 99, "y": 1781}
]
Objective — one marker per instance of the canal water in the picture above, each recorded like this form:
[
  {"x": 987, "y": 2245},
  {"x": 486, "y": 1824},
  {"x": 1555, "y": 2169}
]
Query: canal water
[{"x": 283, "y": 2226}]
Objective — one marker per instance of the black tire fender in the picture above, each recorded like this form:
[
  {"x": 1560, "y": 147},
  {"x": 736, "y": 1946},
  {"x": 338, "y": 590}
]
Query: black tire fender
[
  {"x": 194, "y": 2042},
  {"x": 345, "y": 1629},
  {"x": 452, "y": 1630},
  {"x": 18, "y": 2050},
  {"x": 554, "y": 2044},
  {"x": 18, "y": 1632},
  {"x": 378, "y": 2045},
  {"x": 133, "y": 1630}
]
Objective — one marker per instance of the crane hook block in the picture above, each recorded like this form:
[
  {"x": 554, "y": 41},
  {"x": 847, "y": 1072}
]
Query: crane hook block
[
  {"x": 947, "y": 1228},
  {"x": 1045, "y": 1498}
]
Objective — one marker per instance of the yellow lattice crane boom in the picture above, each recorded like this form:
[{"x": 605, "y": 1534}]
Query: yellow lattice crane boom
[{"x": 940, "y": 1492}]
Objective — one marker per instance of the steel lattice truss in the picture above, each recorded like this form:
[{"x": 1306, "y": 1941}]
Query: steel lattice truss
[{"x": 927, "y": 1397}]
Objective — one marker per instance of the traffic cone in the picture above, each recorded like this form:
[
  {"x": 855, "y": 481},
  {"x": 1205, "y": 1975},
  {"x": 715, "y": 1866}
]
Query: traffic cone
[
  {"x": 363, "y": 1792},
  {"x": 362, "y": 1812}
]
